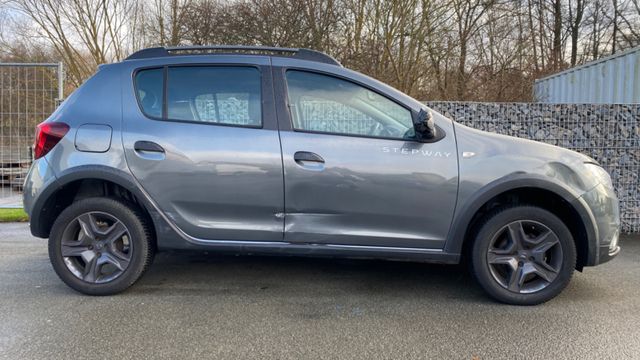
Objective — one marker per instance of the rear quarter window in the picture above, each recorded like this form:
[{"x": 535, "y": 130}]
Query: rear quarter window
[{"x": 149, "y": 84}]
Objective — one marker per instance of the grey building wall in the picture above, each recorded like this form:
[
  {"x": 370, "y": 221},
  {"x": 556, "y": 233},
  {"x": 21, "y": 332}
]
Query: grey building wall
[
  {"x": 611, "y": 80},
  {"x": 608, "y": 133}
]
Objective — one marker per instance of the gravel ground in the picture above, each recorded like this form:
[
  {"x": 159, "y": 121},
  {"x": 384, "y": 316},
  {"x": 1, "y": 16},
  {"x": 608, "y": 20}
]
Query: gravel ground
[{"x": 205, "y": 306}]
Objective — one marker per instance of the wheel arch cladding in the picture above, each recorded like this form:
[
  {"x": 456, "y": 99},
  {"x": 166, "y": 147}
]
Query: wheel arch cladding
[
  {"x": 543, "y": 193},
  {"x": 83, "y": 182}
]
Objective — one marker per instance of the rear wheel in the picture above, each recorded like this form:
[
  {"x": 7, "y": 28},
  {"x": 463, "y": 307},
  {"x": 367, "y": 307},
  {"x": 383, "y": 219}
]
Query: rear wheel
[
  {"x": 523, "y": 255},
  {"x": 100, "y": 246}
]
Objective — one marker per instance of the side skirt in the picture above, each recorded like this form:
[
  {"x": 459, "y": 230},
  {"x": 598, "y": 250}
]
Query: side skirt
[{"x": 313, "y": 250}]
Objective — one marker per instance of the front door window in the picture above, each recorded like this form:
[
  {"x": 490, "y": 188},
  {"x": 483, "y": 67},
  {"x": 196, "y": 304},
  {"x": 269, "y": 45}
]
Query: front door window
[{"x": 326, "y": 104}]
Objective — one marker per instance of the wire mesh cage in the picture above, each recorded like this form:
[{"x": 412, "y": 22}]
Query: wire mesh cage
[
  {"x": 29, "y": 93},
  {"x": 608, "y": 133}
]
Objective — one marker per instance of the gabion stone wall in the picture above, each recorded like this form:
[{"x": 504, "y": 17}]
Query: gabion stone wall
[{"x": 608, "y": 133}]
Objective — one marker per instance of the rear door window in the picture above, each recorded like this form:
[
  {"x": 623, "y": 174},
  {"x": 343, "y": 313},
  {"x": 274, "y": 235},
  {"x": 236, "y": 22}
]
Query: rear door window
[{"x": 207, "y": 94}]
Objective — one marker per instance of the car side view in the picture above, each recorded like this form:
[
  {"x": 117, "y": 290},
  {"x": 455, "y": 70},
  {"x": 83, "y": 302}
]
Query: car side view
[{"x": 260, "y": 150}]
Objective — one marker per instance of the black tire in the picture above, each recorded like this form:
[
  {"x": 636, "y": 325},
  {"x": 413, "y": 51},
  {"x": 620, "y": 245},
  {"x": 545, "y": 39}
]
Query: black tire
[
  {"x": 138, "y": 236},
  {"x": 513, "y": 283}
]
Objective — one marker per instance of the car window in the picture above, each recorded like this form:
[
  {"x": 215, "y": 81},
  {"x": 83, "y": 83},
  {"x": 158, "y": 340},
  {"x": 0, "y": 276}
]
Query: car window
[
  {"x": 223, "y": 95},
  {"x": 149, "y": 91},
  {"x": 322, "y": 103},
  {"x": 208, "y": 94},
  {"x": 228, "y": 108}
]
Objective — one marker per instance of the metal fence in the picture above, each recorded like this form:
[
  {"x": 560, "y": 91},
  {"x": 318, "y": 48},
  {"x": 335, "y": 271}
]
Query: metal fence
[
  {"x": 613, "y": 79},
  {"x": 29, "y": 93},
  {"x": 608, "y": 133}
]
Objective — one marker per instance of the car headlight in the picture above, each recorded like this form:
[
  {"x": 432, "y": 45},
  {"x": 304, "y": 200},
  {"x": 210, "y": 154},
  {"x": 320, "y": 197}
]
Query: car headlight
[{"x": 599, "y": 174}]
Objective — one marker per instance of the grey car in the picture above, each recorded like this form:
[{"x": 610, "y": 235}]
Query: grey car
[{"x": 259, "y": 150}]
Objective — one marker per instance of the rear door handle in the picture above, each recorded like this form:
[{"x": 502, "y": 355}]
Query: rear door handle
[
  {"x": 147, "y": 146},
  {"x": 305, "y": 156},
  {"x": 148, "y": 150},
  {"x": 309, "y": 161}
]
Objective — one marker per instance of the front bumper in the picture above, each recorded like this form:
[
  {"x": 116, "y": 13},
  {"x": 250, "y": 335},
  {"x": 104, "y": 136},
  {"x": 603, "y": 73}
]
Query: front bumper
[
  {"x": 603, "y": 203},
  {"x": 607, "y": 253}
]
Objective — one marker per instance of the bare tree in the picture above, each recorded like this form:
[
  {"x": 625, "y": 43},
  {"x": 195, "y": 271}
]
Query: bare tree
[
  {"x": 615, "y": 26},
  {"x": 84, "y": 34},
  {"x": 469, "y": 16},
  {"x": 575, "y": 17},
  {"x": 166, "y": 21},
  {"x": 628, "y": 16},
  {"x": 489, "y": 50},
  {"x": 556, "y": 51}
]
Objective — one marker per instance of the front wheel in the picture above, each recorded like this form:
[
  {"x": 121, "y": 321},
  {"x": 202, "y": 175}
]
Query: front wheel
[
  {"x": 100, "y": 246},
  {"x": 523, "y": 255}
]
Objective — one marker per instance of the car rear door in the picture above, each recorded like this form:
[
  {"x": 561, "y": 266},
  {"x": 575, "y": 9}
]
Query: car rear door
[
  {"x": 354, "y": 175},
  {"x": 201, "y": 139}
]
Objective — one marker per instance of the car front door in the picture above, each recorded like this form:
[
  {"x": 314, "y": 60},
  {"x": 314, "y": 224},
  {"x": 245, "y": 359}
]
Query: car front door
[
  {"x": 202, "y": 141},
  {"x": 354, "y": 173}
]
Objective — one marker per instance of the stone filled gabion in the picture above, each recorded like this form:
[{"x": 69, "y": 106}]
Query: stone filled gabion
[{"x": 608, "y": 133}]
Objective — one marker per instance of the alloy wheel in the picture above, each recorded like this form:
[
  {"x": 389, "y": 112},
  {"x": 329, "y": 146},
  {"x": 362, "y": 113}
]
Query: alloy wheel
[
  {"x": 524, "y": 256},
  {"x": 96, "y": 247}
]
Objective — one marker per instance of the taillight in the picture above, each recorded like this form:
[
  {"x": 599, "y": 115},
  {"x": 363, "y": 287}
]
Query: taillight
[{"x": 47, "y": 136}]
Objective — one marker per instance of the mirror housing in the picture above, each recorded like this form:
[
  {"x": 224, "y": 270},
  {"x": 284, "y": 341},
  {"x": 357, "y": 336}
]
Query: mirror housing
[{"x": 424, "y": 126}]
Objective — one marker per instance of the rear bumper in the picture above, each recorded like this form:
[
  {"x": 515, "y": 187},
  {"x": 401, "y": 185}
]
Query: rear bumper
[
  {"x": 39, "y": 178},
  {"x": 603, "y": 203}
]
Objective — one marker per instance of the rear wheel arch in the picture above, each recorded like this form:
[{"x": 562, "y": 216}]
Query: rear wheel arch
[
  {"x": 84, "y": 182},
  {"x": 536, "y": 192}
]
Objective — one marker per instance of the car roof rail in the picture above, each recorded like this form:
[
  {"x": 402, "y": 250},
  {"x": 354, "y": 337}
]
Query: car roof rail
[{"x": 296, "y": 53}]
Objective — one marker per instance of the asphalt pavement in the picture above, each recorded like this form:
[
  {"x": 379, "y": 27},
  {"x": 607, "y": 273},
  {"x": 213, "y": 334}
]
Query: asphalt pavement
[{"x": 197, "y": 305}]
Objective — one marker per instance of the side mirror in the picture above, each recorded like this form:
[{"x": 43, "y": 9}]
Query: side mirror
[{"x": 424, "y": 127}]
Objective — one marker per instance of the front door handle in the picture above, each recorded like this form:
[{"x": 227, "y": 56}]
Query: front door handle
[
  {"x": 309, "y": 161},
  {"x": 305, "y": 156},
  {"x": 147, "y": 146}
]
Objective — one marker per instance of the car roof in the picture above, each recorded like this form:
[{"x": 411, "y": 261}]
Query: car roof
[{"x": 294, "y": 53}]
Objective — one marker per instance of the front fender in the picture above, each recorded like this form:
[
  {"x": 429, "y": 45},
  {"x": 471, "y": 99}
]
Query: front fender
[{"x": 464, "y": 215}]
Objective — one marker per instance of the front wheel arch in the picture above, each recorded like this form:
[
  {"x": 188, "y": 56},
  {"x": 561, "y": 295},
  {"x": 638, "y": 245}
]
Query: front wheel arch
[{"x": 540, "y": 193}]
